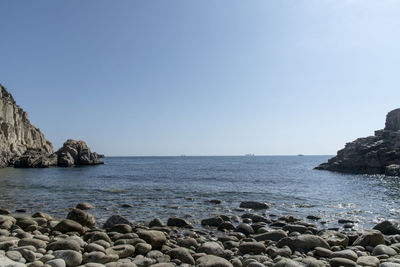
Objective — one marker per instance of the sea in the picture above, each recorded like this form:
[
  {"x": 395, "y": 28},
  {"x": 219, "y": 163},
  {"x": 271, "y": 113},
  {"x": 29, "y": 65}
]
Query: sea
[{"x": 143, "y": 188}]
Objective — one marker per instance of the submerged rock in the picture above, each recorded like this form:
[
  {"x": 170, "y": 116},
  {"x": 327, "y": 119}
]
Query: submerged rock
[{"x": 378, "y": 154}]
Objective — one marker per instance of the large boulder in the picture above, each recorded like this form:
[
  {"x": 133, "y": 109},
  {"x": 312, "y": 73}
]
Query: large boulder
[
  {"x": 378, "y": 154},
  {"x": 75, "y": 153}
]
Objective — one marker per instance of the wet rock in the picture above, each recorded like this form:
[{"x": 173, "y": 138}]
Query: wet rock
[
  {"x": 177, "y": 222},
  {"x": 85, "y": 219},
  {"x": 245, "y": 229},
  {"x": 295, "y": 228},
  {"x": 156, "y": 222},
  {"x": 256, "y": 218},
  {"x": 256, "y": 205},
  {"x": 214, "y": 222},
  {"x": 370, "y": 238},
  {"x": 388, "y": 227},
  {"x": 226, "y": 226},
  {"x": 115, "y": 219},
  {"x": 181, "y": 254},
  {"x": 212, "y": 261},
  {"x": 84, "y": 206}
]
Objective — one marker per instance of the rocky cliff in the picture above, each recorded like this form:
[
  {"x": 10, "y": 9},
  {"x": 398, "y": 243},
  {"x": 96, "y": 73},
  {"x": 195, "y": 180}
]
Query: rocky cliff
[
  {"x": 378, "y": 154},
  {"x": 17, "y": 134},
  {"x": 24, "y": 146}
]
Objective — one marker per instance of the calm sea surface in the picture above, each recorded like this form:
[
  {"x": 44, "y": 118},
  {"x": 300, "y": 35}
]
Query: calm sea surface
[{"x": 180, "y": 186}]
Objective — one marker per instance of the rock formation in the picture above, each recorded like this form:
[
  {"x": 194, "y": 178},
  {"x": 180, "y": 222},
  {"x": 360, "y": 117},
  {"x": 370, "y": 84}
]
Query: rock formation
[
  {"x": 76, "y": 153},
  {"x": 17, "y": 135},
  {"x": 378, "y": 154},
  {"x": 24, "y": 146}
]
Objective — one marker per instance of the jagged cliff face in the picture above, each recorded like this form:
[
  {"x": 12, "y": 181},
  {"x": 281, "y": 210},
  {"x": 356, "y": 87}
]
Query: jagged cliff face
[
  {"x": 376, "y": 154},
  {"x": 17, "y": 134}
]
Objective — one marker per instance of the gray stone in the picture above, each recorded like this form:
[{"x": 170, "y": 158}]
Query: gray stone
[
  {"x": 383, "y": 250},
  {"x": 306, "y": 242},
  {"x": 67, "y": 225},
  {"x": 337, "y": 262},
  {"x": 70, "y": 257},
  {"x": 65, "y": 244},
  {"x": 56, "y": 263},
  {"x": 370, "y": 238},
  {"x": 212, "y": 261},
  {"x": 252, "y": 247},
  {"x": 368, "y": 261},
  {"x": 334, "y": 238},
  {"x": 123, "y": 251},
  {"x": 284, "y": 262},
  {"x": 211, "y": 248},
  {"x": 14, "y": 255},
  {"x": 181, "y": 254},
  {"x": 155, "y": 238},
  {"x": 32, "y": 242},
  {"x": 275, "y": 235},
  {"x": 347, "y": 254},
  {"x": 99, "y": 257}
]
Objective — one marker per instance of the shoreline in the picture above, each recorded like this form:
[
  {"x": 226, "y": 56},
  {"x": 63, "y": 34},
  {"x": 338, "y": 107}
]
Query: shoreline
[{"x": 248, "y": 240}]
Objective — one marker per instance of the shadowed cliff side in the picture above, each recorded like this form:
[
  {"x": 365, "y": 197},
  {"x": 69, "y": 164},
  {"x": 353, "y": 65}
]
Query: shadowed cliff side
[
  {"x": 24, "y": 146},
  {"x": 378, "y": 154},
  {"x": 17, "y": 134}
]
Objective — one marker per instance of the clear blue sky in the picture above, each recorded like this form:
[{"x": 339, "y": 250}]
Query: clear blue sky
[{"x": 219, "y": 77}]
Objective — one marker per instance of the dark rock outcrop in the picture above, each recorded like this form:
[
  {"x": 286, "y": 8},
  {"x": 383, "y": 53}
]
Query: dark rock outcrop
[
  {"x": 24, "y": 146},
  {"x": 378, "y": 154},
  {"x": 19, "y": 138},
  {"x": 76, "y": 153}
]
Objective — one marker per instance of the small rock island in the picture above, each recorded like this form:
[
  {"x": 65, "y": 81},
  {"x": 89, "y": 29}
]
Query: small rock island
[
  {"x": 22, "y": 145},
  {"x": 378, "y": 154}
]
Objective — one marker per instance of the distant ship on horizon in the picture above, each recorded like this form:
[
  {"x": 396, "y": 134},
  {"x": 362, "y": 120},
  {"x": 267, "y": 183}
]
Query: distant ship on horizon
[{"x": 249, "y": 155}]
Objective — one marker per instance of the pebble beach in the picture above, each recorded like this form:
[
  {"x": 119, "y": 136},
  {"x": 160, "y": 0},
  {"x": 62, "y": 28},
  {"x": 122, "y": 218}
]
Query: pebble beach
[{"x": 256, "y": 238}]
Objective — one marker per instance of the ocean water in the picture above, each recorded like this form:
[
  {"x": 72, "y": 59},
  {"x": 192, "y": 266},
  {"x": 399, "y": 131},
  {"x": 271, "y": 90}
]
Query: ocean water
[{"x": 182, "y": 186}]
